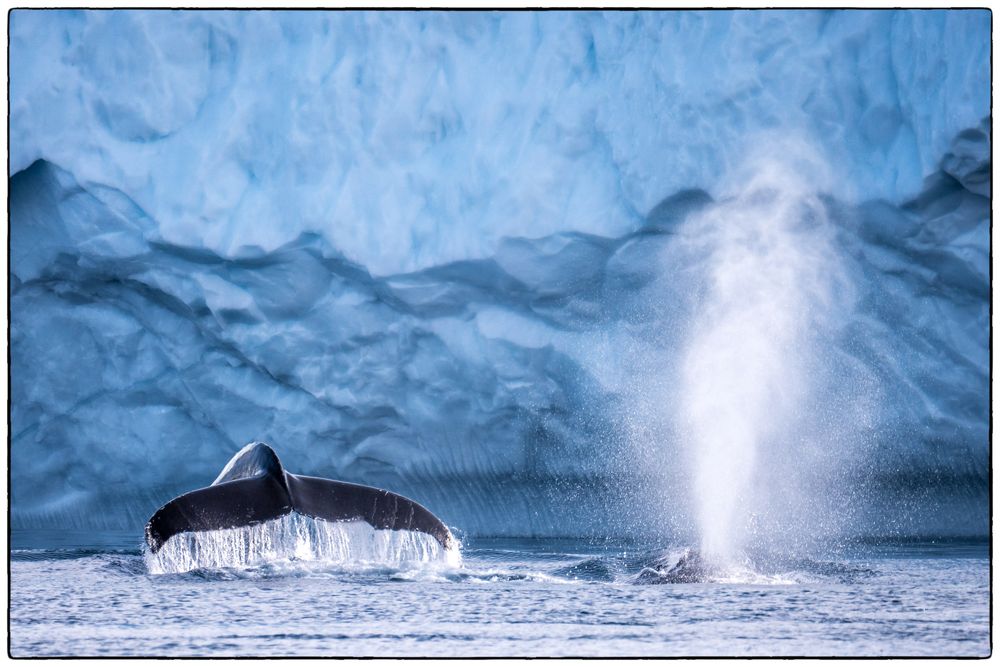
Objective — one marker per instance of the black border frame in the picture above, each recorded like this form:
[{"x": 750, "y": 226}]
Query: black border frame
[{"x": 578, "y": 8}]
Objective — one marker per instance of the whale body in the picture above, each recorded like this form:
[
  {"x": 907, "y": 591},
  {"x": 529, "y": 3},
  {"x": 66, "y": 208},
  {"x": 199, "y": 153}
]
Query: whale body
[{"x": 254, "y": 488}]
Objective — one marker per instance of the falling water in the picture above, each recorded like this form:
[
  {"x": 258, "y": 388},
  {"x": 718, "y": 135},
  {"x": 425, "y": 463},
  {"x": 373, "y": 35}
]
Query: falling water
[
  {"x": 770, "y": 285},
  {"x": 298, "y": 538}
]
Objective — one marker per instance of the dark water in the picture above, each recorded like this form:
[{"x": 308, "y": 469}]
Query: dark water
[{"x": 89, "y": 594}]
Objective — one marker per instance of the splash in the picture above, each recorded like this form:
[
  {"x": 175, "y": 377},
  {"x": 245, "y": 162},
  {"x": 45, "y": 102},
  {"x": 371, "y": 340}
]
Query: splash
[
  {"x": 299, "y": 538},
  {"x": 770, "y": 290},
  {"x": 688, "y": 566}
]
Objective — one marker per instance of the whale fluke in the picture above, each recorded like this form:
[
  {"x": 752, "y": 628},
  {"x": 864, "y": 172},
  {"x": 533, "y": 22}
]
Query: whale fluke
[{"x": 253, "y": 488}]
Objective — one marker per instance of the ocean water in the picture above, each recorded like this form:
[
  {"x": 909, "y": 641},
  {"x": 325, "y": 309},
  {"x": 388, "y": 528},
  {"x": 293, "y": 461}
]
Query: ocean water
[{"x": 91, "y": 594}]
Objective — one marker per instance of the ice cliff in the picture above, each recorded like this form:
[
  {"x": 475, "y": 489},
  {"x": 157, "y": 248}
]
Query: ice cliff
[{"x": 451, "y": 253}]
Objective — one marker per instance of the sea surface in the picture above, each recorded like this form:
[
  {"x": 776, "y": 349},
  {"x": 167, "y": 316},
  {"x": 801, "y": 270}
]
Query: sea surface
[{"x": 90, "y": 594}]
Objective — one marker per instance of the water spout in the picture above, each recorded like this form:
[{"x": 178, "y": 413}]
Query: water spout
[{"x": 769, "y": 287}]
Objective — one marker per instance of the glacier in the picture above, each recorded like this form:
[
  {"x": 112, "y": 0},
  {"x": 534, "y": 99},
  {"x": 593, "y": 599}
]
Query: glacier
[{"x": 455, "y": 254}]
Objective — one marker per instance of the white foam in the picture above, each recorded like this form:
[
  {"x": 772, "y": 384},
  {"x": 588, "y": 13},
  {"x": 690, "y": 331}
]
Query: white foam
[{"x": 299, "y": 538}]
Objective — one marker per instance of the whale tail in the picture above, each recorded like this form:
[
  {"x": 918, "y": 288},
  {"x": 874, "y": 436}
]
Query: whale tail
[{"x": 254, "y": 487}]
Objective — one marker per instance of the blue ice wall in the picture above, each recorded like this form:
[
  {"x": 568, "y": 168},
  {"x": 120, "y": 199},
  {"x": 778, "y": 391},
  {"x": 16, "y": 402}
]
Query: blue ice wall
[
  {"x": 427, "y": 250},
  {"x": 408, "y": 140}
]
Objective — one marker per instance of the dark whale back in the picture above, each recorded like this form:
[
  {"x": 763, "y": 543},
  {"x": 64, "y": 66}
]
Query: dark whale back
[{"x": 253, "y": 488}]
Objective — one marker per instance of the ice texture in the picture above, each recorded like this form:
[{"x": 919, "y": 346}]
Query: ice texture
[
  {"x": 407, "y": 140},
  {"x": 449, "y": 253}
]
